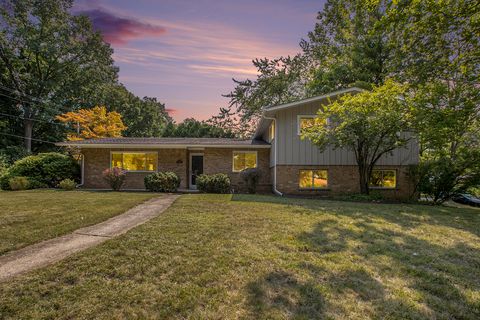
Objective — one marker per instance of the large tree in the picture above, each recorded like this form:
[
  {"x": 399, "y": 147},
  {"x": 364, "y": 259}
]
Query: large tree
[
  {"x": 435, "y": 47},
  {"x": 196, "y": 129},
  {"x": 145, "y": 117},
  {"x": 372, "y": 124},
  {"x": 49, "y": 59},
  {"x": 346, "y": 48}
]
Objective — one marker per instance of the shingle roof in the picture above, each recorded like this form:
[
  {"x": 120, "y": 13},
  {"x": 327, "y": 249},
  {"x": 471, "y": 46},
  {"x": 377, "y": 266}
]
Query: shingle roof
[{"x": 165, "y": 141}]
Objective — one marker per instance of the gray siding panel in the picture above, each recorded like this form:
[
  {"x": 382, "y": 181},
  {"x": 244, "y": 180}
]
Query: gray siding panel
[{"x": 291, "y": 150}]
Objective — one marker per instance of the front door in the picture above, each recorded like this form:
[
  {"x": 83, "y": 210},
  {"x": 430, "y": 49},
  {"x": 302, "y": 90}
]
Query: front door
[{"x": 196, "y": 168}]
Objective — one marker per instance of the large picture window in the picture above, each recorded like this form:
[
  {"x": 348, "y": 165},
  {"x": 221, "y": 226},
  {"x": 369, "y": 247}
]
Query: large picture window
[
  {"x": 243, "y": 160},
  {"x": 383, "y": 179},
  {"x": 313, "y": 179},
  {"x": 135, "y": 161}
]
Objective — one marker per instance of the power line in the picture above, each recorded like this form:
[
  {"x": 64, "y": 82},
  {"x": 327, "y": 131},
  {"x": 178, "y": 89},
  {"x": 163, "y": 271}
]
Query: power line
[
  {"x": 34, "y": 99},
  {"x": 33, "y": 139},
  {"x": 23, "y": 118}
]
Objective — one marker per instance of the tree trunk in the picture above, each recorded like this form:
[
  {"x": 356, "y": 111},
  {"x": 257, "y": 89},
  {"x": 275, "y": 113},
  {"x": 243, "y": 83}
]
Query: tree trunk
[
  {"x": 28, "y": 129},
  {"x": 363, "y": 179}
]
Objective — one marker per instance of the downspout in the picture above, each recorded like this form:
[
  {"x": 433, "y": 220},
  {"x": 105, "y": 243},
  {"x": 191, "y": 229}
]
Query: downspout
[
  {"x": 274, "y": 158},
  {"x": 82, "y": 172}
]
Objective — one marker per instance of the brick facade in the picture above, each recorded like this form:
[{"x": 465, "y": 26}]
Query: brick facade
[
  {"x": 216, "y": 160},
  {"x": 220, "y": 160},
  {"x": 341, "y": 180},
  {"x": 97, "y": 160}
]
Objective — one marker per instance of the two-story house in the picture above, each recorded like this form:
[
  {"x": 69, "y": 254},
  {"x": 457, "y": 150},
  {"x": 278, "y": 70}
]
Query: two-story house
[{"x": 289, "y": 165}]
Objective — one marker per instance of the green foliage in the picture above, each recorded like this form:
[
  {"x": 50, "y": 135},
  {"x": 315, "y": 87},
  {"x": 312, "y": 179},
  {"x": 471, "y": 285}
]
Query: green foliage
[
  {"x": 145, "y": 117},
  {"x": 67, "y": 184},
  {"x": 44, "y": 169},
  {"x": 162, "y": 182},
  {"x": 439, "y": 180},
  {"x": 196, "y": 129},
  {"x": 371, "y": 124},
  {"x": 251, "y": 176},
  {"x": 52, "y": 58},
  {"x": 18, "y": 183},
  {"x": 115, "y": 177},
  {"x": 10, "y": 154},
  {"x": 213, "y": 183}
]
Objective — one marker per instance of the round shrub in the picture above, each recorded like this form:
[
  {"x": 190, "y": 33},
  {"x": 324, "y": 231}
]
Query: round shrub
[
  {"x": 213, "y": 183},
  {"x": 162, "y": 182},
  {"x": 45, "y": 169},
  {"x": 251, "y": 176},
  {"x": 18, "y": 183},
  {"x": 67, "y": 184},
  {"x": 115, "y": 177}
]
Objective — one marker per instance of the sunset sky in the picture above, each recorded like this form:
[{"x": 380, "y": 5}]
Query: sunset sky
[{"x": 186, "y": 53}]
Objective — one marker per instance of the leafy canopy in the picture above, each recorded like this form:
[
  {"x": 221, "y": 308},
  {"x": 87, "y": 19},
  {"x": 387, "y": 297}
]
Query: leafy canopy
[{"x": 94, "y": 123}]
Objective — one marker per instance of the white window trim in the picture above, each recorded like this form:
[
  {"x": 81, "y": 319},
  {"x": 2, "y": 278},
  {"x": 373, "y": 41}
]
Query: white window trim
[
  {"x": 244, "y": 151},
  {"x": 300, "y": 116},
  {"x": 313, "y": 188},
  {"x": 146, "y": 152},
  {"x": 386, "y": 188}
]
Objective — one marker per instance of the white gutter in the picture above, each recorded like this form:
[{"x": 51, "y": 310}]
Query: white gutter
[
  {"x": 160, "y": 146},
  {"x": 274, "y": 158},
  {"x": 82, "y": 172}
]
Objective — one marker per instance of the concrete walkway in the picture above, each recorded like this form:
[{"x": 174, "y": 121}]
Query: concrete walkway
[{"x": 50, "y": 251}]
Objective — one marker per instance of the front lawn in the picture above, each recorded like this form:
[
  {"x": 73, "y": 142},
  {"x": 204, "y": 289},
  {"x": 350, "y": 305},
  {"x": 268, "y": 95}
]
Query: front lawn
[
  {"x": 27, "y": 217},
  {"x": 262, "y": 257}
]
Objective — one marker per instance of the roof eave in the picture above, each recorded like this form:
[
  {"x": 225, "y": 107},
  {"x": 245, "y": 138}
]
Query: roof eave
[
  {"x": 313, "y": 99},
  {"x": 159, "y": 146}
]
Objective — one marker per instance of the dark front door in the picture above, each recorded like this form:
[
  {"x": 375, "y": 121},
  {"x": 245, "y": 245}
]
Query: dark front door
[{"x": 196, "y": 169}]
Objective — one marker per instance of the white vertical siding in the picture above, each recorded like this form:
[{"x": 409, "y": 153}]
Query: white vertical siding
[{"x": 292, "y": 150}]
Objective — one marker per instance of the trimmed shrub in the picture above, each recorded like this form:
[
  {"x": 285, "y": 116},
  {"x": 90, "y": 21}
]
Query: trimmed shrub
[
  {"x": 115, "y": 177},
  {"x": 46, "y": 169},
  {"x": 67, "y": 184},
  {"x": 213, "y": 183},
  {"x": 251, "y": 176},
  {"x": 18, "y": 183},
  {"x": 162, "y": 182}
]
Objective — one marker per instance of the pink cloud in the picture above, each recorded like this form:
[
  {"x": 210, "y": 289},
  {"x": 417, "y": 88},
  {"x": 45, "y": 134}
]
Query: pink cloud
[
  {"x": 171, "y": 111},
  {"x": 119, "y": 30}
]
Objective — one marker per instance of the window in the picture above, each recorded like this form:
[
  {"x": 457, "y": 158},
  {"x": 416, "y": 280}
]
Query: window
[
  {"x": 243, "y": 160},
  {"x": 313, "y": 179},
  {"x": 135, "y": 161},
  {"x": 383, "y": 179},
  {"x": 271, "y": 134},
  {"x": 306, "y": 121}
]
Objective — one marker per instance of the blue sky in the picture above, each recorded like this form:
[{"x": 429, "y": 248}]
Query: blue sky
[{"x": 186, "y": 53}]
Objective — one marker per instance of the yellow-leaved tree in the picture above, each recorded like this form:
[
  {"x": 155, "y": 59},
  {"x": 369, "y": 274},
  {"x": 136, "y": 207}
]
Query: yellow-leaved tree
[{"x": 93, "y": 123}]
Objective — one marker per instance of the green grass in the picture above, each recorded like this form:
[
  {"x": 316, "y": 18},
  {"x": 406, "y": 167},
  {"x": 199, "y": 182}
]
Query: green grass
[
  {"x": 27, "y": 217},
  {"x": 261, "y": 257}
]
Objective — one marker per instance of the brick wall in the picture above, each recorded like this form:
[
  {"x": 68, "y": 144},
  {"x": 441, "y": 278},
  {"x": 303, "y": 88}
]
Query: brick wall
[
  {"x": 216, "y": 160},
  {"x": 220, "y": 160},
  {"x": 97, "y": 160},
  {"x": 341, "y": 180}
]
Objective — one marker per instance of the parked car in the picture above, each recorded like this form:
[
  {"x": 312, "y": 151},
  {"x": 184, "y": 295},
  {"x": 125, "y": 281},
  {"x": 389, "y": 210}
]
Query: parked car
[{"x": 468, "y": 199}]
